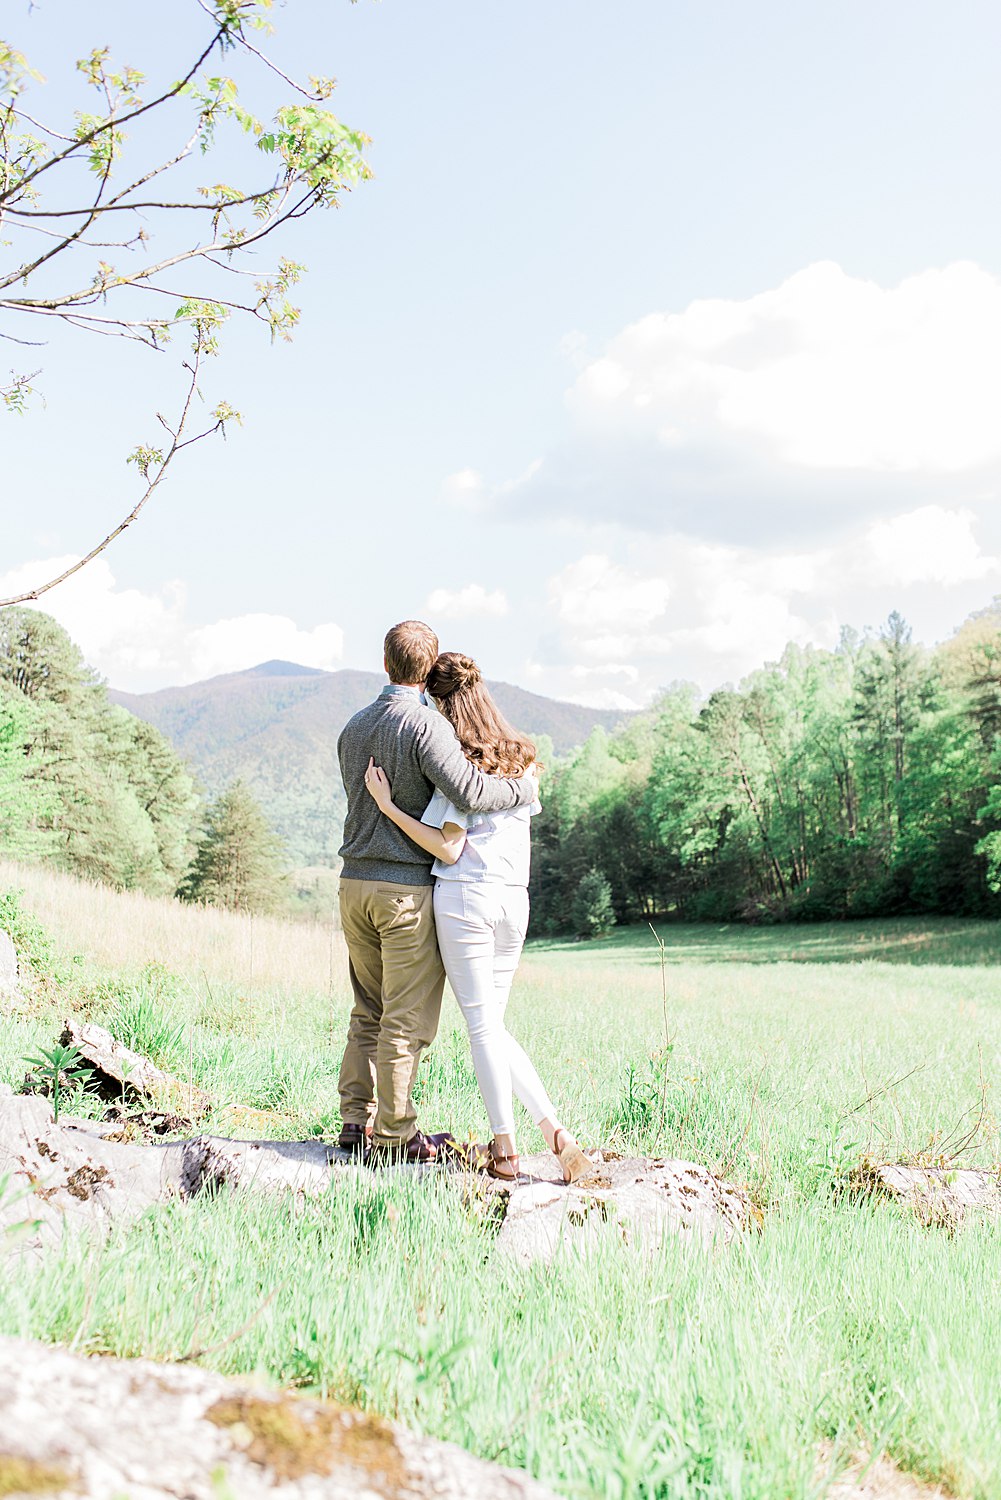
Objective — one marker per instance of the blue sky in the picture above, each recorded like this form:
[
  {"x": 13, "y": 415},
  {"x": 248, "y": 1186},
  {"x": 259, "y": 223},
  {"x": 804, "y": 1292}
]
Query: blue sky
[{"x": 664, "y": 333}]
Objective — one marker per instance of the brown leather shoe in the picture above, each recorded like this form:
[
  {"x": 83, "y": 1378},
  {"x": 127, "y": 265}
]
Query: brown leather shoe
[
  {"x": 419, "y": 1148},
  {"x": 506, "y": 1168},
  {"x": 355, "y": 1138}
]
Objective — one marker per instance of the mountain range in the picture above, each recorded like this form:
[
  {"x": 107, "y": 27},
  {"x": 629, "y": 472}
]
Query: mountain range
[{"x": 276, "y": 727}]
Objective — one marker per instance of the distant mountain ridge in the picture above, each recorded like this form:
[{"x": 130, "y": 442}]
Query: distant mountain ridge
[{"x": 276, "y": 726}]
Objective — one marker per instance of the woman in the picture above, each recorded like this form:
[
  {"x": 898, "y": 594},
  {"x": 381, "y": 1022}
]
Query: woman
[{"x": 481, "y": 909}]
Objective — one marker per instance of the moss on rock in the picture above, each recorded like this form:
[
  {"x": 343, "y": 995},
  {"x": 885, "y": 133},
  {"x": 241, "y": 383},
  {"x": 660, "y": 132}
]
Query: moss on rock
[{"x": 294, "y": 1440}]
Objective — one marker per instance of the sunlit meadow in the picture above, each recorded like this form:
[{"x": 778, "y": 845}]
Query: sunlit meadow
[{"x": 775, "y": 1057}]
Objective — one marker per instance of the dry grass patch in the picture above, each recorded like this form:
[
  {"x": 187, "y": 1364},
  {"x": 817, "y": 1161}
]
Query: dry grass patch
[
  {"x": 865, "y": 1479},
  {"x": 125, "y": 931}
]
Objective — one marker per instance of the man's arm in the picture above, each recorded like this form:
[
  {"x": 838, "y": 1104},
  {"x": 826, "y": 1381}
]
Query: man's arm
[{"x": 442, "y": 760}]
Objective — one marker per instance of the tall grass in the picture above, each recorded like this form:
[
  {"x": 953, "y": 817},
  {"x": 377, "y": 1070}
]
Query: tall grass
[
  {"x": 615, "y": 1377},
  {"x": 126, "y": 931}
]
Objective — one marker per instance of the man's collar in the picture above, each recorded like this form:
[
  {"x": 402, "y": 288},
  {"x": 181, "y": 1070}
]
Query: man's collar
[{"x": 392, "y": 689}]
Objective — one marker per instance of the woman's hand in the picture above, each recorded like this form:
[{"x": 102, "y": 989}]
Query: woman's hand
[{"x": 377, "y": 783}]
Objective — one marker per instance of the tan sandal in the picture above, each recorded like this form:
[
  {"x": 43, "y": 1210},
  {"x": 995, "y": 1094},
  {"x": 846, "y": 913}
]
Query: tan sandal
[
  {"x": 504, "y": 1168},
  {"x": 571, "y": 1158}
]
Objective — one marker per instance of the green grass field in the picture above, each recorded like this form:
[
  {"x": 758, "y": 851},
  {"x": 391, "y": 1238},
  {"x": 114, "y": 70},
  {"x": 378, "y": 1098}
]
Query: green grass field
[{"x": 788, "y": 1053}]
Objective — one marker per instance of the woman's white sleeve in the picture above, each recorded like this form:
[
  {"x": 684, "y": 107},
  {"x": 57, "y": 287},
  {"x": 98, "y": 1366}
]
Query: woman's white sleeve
[{"x": 440, "y": 811}]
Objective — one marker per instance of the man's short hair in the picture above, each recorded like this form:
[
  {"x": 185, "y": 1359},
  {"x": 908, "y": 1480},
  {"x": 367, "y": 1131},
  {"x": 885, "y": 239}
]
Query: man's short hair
[{"x": 411, "y": 651}]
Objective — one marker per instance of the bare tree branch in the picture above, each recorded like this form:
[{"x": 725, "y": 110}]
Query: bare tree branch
[{"x": 178, "y": 444}]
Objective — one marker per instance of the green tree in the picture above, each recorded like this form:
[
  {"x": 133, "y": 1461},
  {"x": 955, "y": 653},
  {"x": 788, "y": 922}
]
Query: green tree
[
  {"x": 39, "y": 660},
  {"x": 239, "y": 863},
  {"x": 108, "y": 797},
  {"x": 591, "y": 911},
  {"x": 856, "y": 782},
  {"x": 25, "y": 804}
]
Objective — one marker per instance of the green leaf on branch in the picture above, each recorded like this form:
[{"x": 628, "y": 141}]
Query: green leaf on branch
[
  {"x": 144, "y": 458},
  {"x": 224, "y": 413}
]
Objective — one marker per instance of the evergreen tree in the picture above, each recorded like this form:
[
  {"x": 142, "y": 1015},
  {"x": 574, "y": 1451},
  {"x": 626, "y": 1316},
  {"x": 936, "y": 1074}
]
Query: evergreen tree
[
  {"x": 109, "y": 798},
  {"x": 25, "y": 806},
  {"x": 238, "y": 864},
  {"x": 591, "y": 911},
  {"x": 38, "y": 658}
]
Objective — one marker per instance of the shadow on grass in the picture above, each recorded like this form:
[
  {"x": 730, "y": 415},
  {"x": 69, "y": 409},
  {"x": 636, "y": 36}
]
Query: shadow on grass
[{"x": 895, "y": 940}]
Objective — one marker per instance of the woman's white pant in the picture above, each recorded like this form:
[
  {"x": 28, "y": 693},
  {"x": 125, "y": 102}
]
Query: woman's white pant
[{"x": 481, "y": 931}]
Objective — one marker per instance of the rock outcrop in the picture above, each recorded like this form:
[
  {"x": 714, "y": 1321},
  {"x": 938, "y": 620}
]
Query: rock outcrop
[
  {"x": 118, "y": 1072},
  {"x": 629, "y": 1200},
  {"x": 78, "y": 1173},
  {"x": 74, "y": 1428},
  {"x": 943, "y": 1196}
]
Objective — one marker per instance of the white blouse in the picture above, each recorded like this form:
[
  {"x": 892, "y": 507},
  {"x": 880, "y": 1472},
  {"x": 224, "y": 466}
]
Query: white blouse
[{"x": 498, "y": 845}]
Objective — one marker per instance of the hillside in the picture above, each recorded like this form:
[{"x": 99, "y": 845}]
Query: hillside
[{"x": 276, "y": 726}]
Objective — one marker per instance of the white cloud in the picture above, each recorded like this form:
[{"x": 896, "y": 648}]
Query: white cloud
[
  {"x": 473, "y": 600},
  {"x": 608, "y": 669},
  {"x": 928, "y": 545},
  {"x": 598, "y": 594},
  {"x": 786, "y": 416},
  {"x": 231, "y": 645},
  {"x": 464, "y": 489},
  {"x": 722, "y": 611},
  {"x": 122, "y": 632},
  {"x": 140, "y": 640},
  {"x": 826, "y": 371}
]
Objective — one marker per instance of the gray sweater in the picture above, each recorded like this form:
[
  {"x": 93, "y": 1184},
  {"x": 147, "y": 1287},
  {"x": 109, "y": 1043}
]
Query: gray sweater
[{"x": 417, "y": 748}]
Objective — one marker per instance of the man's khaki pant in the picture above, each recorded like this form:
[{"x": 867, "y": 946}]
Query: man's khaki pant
[{"x": 397, "y": 979}]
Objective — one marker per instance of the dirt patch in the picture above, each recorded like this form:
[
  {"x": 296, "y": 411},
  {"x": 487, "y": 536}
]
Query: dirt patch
[
  {"x": 294, "y": 1440},
  {"x": 26, "y": 1476},
  {"x": 81, "y": 1183},
  {"x": 881, "y": 1480},
  {"x": 145, "y": 1125}
]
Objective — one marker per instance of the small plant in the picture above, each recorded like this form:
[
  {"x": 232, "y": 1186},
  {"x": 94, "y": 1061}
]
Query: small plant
[
  {"x": 59, "y": 1067},
  {"x": 145, "y": 1015}
]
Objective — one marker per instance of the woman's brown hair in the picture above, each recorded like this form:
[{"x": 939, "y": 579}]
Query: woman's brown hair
[{"x": 484, "y": 734}]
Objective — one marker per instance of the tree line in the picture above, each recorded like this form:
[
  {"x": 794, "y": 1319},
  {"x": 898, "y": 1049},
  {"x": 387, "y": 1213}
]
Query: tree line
[
  {"x": 859, "y": 782},
  {"x": 90, "y": 789}
]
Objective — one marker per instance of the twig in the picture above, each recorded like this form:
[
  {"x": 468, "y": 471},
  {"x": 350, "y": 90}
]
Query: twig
[
  {"x": 877, "y": 1093},
  {"x": 237, "y": 1333},
  {"x": 667, "y": 1030},
  {"x": 81, "y": 142},
  {"x": 237, "y": 35},
  {"x": 964, "y": 1143},
  {"x": 732, "y": 1155},
  {"x": 176, "y": 447}
]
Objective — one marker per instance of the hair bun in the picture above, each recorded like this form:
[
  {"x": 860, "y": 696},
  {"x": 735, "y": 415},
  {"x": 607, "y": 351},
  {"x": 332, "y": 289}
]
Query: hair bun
[
  {"x": 452, "y": 673},
  {"x": 467, "y": 672}
]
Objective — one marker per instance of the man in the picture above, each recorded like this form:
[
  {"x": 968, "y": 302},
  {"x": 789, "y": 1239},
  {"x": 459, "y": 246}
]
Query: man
[{"x": 396, "y": 972}]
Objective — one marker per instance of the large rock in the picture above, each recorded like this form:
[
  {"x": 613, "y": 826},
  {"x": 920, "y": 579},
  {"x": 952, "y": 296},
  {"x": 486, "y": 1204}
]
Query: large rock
[
  {"x": 59, "y": 1179},
  {"x": 629, "y": 1200},
  {"x": 119, "y": 1072},
  {"x": 87, "y": 1429},
  {"x": 942, "y": 1196},
  {"x": 76, "y": 1174}
]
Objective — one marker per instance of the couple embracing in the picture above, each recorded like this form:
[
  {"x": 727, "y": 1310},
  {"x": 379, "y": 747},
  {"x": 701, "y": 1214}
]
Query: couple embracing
[{"x": 441, "y": 792}]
